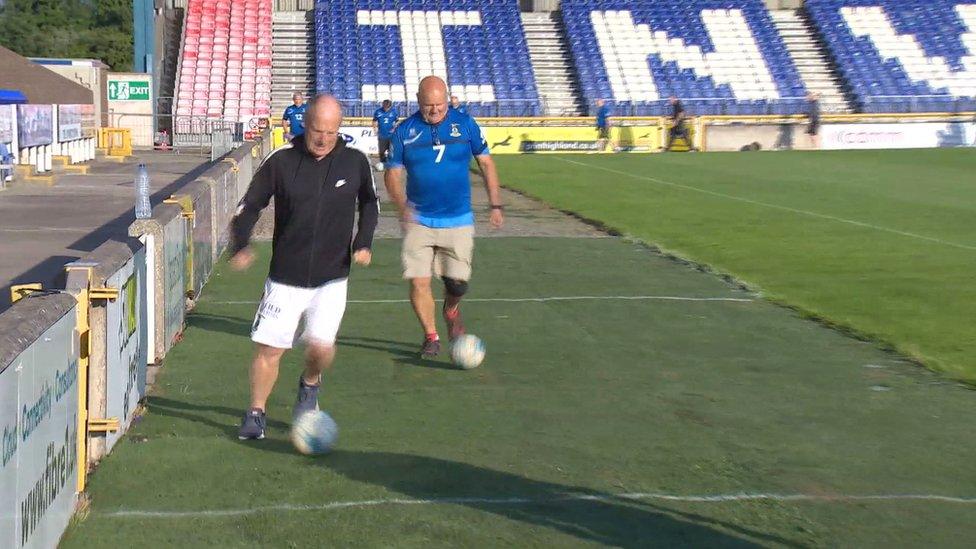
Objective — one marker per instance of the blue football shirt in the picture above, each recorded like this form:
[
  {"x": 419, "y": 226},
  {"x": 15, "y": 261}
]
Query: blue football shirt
[
  {"x": 461, "y": 109},
  {"x": 296, "y": 118},
  {"x": 436, "y": 158},
  {"x": 602, "y": 115},
  {"x": 385, "y": 120}
]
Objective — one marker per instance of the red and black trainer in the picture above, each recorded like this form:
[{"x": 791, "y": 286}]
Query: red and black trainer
[{"x": 431, "y": 347}]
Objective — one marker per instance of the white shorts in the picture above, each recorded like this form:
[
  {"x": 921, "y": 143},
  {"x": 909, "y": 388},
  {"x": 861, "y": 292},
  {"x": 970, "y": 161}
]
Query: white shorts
[{"x": 282, "y": 308}]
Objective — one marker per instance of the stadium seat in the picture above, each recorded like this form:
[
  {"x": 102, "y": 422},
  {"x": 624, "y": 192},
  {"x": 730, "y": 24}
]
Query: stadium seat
[
  {"x": 380, "y": 49},
  {"x": 216, "y": 62},
  {"x": 899, "y": 56},
  {"x": 717, "y": 56}
]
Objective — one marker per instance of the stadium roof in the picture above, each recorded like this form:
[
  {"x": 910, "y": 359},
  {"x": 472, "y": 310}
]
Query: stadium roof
[
  {"x": 68, "y": 62},
  {"x": 39, "y": 84},
  {"x": 11, "y": 97}
]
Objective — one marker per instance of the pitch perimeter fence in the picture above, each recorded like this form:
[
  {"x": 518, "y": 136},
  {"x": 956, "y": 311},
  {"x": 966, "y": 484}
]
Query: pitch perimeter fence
[{"x": 75, "y": 362}]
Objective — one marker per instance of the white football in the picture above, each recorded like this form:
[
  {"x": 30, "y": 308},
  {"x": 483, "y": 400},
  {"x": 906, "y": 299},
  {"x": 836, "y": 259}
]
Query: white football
[
  {"x": 314, "y": 433},
  {"x": 467, "y": 351}
]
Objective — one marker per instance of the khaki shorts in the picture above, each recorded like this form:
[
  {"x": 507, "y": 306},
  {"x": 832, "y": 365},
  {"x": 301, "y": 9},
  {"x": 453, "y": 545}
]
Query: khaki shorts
[{"x": 437, "y": 252}]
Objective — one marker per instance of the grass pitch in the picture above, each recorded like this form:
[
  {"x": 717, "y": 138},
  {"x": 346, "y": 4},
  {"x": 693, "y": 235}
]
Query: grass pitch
[
  {"x": 689, "y": 414},
  {"x": 879, "y": 242}
]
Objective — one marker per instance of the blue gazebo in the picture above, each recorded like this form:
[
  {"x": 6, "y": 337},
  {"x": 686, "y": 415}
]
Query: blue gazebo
[{"x": 12, "y": 97}]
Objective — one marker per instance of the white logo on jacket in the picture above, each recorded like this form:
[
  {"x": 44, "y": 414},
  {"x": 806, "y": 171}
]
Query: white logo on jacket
[{"x": 340, "y": 183}]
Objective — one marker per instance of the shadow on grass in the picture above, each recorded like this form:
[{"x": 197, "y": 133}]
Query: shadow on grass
[
  {"x": 404, "y": 353},
  {"x": 204, "y": 414},
  {"x": 586, "y": 514},
  {"x": 224, "y": 324}
]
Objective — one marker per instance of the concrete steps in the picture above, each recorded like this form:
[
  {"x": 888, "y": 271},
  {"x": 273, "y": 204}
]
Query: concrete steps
[
  {"x": 811, "y": 61},
  {"x": 552, "y": 65},
  {"x": 293, "y": 58}
]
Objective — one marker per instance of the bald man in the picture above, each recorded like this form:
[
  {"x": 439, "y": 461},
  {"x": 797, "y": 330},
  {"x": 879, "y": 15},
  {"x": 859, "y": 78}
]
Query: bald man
[
  {"x": 317, "y": 184},
  {"x": 433, "y": 148}
]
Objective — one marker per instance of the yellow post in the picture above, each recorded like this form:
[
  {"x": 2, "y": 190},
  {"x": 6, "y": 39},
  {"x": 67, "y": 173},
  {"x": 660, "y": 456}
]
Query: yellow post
[
  {"x": 186, "y": 204},
  {"x": 20, "y": 291},
  {"x": 277, "y": 137},
  {"x": 120, "y": 141},
  {"x": 84, "y": 354}
]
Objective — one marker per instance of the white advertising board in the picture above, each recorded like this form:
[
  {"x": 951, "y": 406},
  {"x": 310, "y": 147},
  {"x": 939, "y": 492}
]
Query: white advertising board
[
  {"x": 39, "y": 426},
  {"x": 901, "y": 135},
  {"x": 362, "y": 138}
]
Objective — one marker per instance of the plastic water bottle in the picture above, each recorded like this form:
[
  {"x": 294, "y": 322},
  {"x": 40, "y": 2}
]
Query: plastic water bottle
[{"x": 143, "y": 208}]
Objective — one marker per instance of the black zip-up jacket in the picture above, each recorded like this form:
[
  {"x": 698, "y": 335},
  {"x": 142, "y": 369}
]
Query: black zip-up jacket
[{"x": 315, "y": 210}]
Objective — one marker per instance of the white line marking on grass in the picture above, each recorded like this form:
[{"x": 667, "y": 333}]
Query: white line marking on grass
[
  {"x": 776, "y": 206},
  {"x": 538, "y": 299},
  {"x": 615, "y": 498}
]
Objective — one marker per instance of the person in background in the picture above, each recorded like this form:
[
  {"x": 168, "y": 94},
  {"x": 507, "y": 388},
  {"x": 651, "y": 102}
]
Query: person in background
[
  {"x": 384, "y": 121},
  {"x": 457, "y": 106},
  {"x": 678, "y": 127},
  {"x": 813, "y": 114},
  {"x": 294, "y": 118},
  {"x": 602, "y": 125}
]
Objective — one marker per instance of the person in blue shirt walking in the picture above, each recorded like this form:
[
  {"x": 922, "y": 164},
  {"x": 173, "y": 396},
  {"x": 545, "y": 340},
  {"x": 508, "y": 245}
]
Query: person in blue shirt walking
[
  {"x": 434, "y": 149},
  {"x": 602, "y": 124},
  {"x": 294, "y": 118},
  {"x": 457, "y": 106},
  {"x": 384, "y": 120}
]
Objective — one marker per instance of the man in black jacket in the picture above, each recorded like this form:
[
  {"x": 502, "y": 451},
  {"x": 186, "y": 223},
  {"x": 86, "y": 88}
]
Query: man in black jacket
[{"x": 316, "y": 182}]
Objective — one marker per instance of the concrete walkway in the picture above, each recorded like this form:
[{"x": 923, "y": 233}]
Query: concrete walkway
[{"x": 42, "y": 228}]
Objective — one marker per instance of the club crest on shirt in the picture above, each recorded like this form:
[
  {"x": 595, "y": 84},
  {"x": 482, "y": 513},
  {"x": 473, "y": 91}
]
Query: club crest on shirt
[
  {"x": 413, "y": 132},
  {"x": 455, "y": 131}
]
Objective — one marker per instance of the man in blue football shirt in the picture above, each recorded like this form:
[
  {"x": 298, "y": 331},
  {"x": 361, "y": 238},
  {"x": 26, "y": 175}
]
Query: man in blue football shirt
[
  {"x": 602, "y": 124},
  {"x": 294, "y": 118},
  {"x": 434, "y": 147},
  {"x": 384, "y": 120},
  {"x": 457, "y": 106}
]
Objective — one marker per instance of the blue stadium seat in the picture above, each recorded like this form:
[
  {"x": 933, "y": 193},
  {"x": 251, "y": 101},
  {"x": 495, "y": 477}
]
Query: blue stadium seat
[
  {"x": 888, "y": 50},
  {"x": 596, "y": 28},
  {"x": 486, "y": 64}
]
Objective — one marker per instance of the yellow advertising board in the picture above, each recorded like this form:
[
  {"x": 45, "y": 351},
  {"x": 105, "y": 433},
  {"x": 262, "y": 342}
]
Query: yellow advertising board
[{"x": 569, "y": 139}]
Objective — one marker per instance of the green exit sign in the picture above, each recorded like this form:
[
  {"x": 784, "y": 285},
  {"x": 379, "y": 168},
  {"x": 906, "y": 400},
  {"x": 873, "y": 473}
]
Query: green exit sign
[{"x": 128, "y": 90}]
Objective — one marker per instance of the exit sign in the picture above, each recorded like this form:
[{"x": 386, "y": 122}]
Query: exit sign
[{"x": 128, "y": 90}]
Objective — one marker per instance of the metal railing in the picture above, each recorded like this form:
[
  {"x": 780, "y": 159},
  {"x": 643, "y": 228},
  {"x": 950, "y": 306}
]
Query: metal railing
[
  {"x": 706, "y": 106},
  {"x": 213, "y": 137},
  {"x": 917, "y": 104},
  {"x": 358, "y": 108}
]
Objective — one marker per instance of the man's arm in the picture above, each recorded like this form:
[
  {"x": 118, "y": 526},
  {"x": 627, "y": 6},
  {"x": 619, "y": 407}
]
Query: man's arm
[
  {"x": 369, "y": 209},
  {"x": 493, "y": 188},
  {"x": 393, "y": 179},
  {"x": 256, "y": 198},
  {"x": 285, "y": 123}
]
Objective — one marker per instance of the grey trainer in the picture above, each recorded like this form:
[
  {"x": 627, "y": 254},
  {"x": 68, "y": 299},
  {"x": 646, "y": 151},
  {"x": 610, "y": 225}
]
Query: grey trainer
[
  {"x": 308, "y": 398},
  {"x": 252, "y": 425}
]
